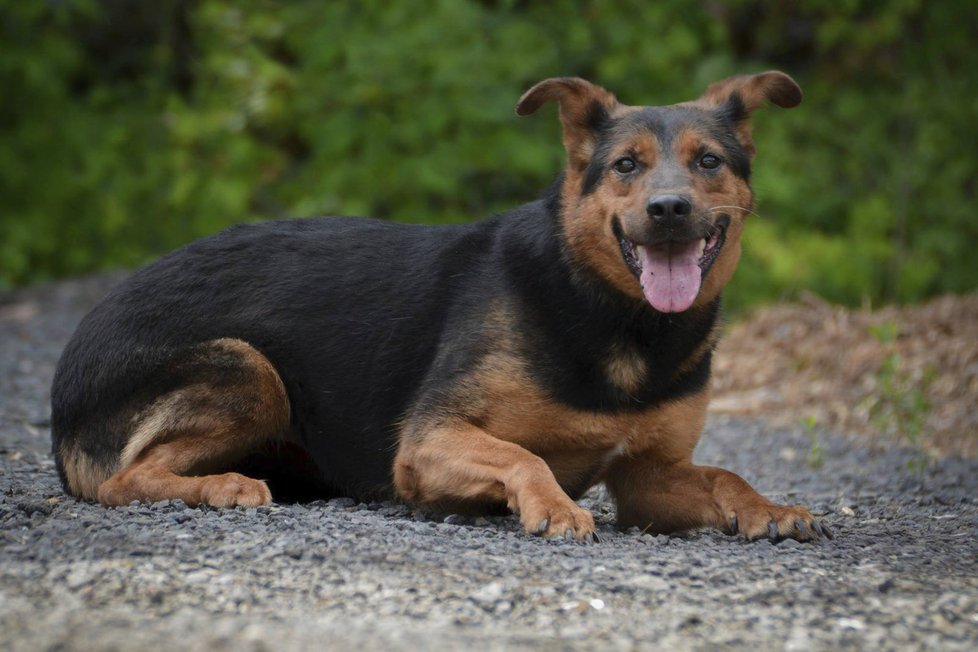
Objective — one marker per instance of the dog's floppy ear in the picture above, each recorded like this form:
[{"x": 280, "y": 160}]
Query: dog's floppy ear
[
  {"x": 584, "y": 110},
  {"x": 754, "y": 91},
  {"x": 738, "y": 96}
]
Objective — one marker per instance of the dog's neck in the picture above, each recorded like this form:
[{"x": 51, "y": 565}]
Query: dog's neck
[{"x": 575, "y": 320}]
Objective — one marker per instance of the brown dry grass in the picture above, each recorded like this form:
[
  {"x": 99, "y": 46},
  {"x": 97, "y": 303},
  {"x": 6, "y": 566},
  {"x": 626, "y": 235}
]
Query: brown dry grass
[{"x": 792, "y": 363}]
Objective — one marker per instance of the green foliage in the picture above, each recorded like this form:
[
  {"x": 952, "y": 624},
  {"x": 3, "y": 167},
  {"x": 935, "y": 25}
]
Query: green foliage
[
  {"x": 815, "y": 456},
  {"x": 131, "y": 127},
  {"x": 900, "y": 406}
]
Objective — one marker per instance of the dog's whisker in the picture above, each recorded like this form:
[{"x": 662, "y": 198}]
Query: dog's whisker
[{"x": 740, "y": 208}]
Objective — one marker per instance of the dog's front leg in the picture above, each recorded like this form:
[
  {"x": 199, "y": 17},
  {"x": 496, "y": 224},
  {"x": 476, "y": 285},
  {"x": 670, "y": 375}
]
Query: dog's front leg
[
  {"x": 673, "y": 497},
  {"x": 658, "y": 488},
  {"x": 459, "y": 463}
]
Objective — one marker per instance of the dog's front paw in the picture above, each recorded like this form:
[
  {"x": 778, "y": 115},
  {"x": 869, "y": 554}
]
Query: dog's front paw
[
  {"x": 559, "y": 519},
  {"x": 776, "y": 522}
]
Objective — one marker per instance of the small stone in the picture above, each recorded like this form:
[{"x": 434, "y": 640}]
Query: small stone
[
  {"x": 488, "y": 593},
  {"x": 77, "y": 579},
  {"x": 293, "y": 551},
  {"x": 197, "y": 577},
  {"x": 851, "y": 623}
]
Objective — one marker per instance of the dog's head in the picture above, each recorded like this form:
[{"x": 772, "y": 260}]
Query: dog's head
[{"x": 654, "y": 198}]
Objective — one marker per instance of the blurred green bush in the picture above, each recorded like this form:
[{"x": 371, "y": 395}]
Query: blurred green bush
[{"x": 131, "y": 127}]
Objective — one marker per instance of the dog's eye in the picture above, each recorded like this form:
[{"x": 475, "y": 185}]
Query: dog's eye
[
  {"x": 710, "y": 161},
  {"x": 624, "y": 165}
]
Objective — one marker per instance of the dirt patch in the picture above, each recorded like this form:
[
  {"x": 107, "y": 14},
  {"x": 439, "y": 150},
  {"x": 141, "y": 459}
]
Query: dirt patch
[{"x": 907, "y": 374}]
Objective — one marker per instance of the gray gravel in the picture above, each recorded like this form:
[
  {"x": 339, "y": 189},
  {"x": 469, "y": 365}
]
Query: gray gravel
[{"x": 902, "y": 572}]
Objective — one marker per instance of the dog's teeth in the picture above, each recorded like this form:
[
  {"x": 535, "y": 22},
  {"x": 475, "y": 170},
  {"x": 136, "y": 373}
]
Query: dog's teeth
[{"x": 702, "y": 246}]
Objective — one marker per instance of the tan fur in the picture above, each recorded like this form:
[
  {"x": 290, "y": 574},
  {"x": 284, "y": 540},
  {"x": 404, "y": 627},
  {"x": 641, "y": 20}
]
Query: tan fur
[
  {"x": 83, "y": 475},
  {"x": 724, "y": 266},
  {"x": 587, "y": 229},
  {"x": 527, "y": 445},
  {"x": 625, "y": 369},
  {"x": 160, "y": 418},
  {"x": 198, "y": 430},
  {"x": 458, "y": 463}
]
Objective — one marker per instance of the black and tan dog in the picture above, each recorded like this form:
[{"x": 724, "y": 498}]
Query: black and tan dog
[{"x": 514, "y": 362}]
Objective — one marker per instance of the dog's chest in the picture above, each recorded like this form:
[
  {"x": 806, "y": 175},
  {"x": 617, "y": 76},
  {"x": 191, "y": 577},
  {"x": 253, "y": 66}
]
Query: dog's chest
[
  {"x": 579, "y": 446},
  {"x": 518, "y": 409}
]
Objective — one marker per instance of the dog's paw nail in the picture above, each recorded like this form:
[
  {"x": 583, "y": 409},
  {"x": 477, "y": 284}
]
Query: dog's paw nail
[
  {"x": 772, "y": 530},
  {"x": 826, "y": 531},
  {"x": 569, "y": 534},
  {"x": 802, "y": 529},
  {"x": 733, "y": 524},
  {"x": 542, "y": 526}
]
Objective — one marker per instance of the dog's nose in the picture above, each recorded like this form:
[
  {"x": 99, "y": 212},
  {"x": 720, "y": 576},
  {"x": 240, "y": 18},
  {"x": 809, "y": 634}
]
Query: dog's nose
[{"x": 666, "y": 208}]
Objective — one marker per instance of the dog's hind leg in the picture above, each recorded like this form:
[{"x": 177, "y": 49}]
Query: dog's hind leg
[
  {"x": 234, "y": 403},
  {"x": 459, "y": 464}
]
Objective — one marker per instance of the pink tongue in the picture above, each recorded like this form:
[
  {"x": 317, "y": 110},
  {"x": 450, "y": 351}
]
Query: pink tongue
[{"x": 670, "y": 275}]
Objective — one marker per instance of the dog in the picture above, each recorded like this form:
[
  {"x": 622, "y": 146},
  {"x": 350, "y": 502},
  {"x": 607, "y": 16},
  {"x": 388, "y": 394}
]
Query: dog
[{"x": 511, "y": 363}]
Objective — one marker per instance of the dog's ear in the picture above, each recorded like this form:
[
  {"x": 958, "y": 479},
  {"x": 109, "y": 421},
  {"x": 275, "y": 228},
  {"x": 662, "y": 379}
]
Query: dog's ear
[
  {"x": 736, "y": 97},
  {"x": 584, "y": 110},
  {"x": 754, "y": 91}
]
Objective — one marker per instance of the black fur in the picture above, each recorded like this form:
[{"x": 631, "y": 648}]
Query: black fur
[{"x": 364, "y": 320}]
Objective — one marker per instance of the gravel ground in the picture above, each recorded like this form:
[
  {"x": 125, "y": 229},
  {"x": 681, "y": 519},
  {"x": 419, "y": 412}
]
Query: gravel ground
[{"x": 902, "y": 572}]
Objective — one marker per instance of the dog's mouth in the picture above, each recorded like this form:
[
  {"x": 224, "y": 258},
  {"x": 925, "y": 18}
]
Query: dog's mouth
[{"x": 672, "y": 272}]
